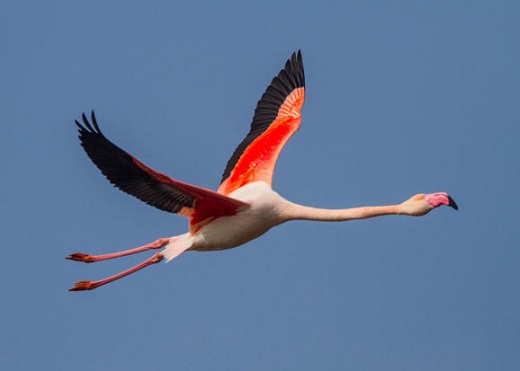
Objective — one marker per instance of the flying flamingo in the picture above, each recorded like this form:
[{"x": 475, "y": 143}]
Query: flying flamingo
[{"x": 244, "y": 207}]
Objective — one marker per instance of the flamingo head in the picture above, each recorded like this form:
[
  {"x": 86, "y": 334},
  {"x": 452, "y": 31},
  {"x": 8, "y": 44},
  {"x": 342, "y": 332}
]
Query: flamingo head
[{"x": 422, "y": 203}]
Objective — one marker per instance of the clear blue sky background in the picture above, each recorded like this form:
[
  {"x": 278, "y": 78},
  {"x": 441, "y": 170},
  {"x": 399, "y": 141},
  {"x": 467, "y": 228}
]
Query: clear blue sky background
[{"x": 402, "y": 98}]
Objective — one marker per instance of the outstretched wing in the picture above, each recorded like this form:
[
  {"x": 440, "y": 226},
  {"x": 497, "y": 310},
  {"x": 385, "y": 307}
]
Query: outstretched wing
[
  {"x": 156, "y": 189},
  {"x": 277, "y": 117}
]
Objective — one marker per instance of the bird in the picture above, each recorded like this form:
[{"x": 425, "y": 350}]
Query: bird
[{"x": 244, "y": 206}]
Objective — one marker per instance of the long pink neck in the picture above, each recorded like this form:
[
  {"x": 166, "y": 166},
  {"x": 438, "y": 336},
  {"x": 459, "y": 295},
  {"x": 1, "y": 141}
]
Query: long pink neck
[{"x": 299, "y": 212}]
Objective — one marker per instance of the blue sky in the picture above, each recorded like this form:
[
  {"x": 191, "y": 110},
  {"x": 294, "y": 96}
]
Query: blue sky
[{"x": 401, "y": 98}]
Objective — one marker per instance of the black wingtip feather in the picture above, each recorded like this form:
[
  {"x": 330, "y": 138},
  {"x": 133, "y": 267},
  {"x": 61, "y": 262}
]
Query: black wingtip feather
[
  {"x": 85, "y": 127},
  {"x": 80, "y": 127},
  {"x": 85, "y": 120},
  {"x": 94, "y": 122}
]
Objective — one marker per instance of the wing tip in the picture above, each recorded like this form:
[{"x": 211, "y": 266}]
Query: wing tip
[
  {"x": 293, "y": 71},
  {"x": 88, "y": 127},
  {"x": 295, "y": 66}
]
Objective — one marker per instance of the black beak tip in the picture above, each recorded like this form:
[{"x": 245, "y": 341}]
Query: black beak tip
[{"x": 452, "y": 203}]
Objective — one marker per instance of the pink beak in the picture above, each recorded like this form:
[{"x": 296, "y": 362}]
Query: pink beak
[{"x": 440, "y": 198}]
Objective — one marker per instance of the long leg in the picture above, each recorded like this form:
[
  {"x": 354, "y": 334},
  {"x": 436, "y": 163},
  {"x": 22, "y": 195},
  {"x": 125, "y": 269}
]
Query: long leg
[
  {"x": 91, "y": 285},
  {"x": 86, "y": 258}
]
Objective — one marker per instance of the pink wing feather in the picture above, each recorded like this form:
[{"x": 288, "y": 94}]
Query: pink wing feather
[{"x": 277, "y": 117}]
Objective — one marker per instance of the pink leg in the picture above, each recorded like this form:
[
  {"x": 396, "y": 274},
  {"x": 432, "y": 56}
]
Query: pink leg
[
  {"x": 91, "y": 285},
  {"x": 80, "y": 257}
]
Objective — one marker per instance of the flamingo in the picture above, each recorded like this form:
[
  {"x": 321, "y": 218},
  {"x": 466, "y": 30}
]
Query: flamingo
[{"x": 245, "y": 206}]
